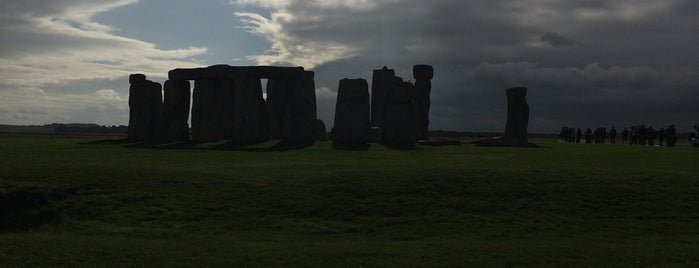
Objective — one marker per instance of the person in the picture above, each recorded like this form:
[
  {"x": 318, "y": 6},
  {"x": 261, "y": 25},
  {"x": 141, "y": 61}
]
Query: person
[
  {"x": 694, "y": 137},
  {"x": 671, "y": 136},
  {"x": 661, "y": 136},
  {"x": 625, "y": 136},
  {"x": 578, "y": 136},
  {"x": 612, "y": 135},
  {"x": 588, "y": 135},
  {"x": 651, "y": 136}
]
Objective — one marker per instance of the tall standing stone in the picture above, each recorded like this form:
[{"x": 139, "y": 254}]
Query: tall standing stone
[
  {"x": 517, "y": 121},
  {"x": 145, "y": 99},
  {"x": 380, "y": 86},
  {"x": 175, "y": 111},
  {"x": 300, "y": 114},
  {"x": 206, "y": 116},
  {"x": 249, "y": 111},
  {"x": 352, "y": 120},
  {"x": 423, "y": 86},
  {"x": 398, "y": 126}
]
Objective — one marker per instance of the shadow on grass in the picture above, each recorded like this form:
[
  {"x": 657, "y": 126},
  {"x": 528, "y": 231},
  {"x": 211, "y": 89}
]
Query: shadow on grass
[
  {"x": 351, "y": 147},
  {"x": 257, "y": 146},
  {"x": 403, "y": 147}
]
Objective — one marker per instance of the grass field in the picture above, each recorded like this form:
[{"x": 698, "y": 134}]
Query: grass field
[{"x": 99, "y": 201}]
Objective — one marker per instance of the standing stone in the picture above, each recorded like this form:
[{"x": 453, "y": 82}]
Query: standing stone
[
  {"x": 517, "y": 121},
  {"x": 352, "y": 120},
  {"x": 422, "y": 74},
  {"x": 321, "y": 132},
  {"x": 398, "y": 126},
  {"x": 225, "y": 107},
  {"x": 300, "y": 114},
  {"x": 175, "y": 111},
  {"x": 249, "y": 111},
  {"x": 277, "y": 91},
  {"x": 145, "y": 99},
  {"x": 205, "y": 111},
  {"x": 380, "y": 85}
]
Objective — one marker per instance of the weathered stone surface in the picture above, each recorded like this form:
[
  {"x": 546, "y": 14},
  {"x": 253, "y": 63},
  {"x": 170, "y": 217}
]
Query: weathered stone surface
[
  {"x": 380, "y": 85},
  {"x": 352, "y": 120},
  {"x": 298, "y": 124},
  {"x": 398, "y": 126},
  {"x": 145, "y": 99},
  {"x": 136, "y": 78},
  {"x": 175, "y": 111},
  {"x": 249, "y": 111},
  {"x": 206, "y": 121},
  {"x": 517, "y": 122},
  {"x": 423, "y": 86},
  {"x": 321, "y": 132},
  {"x": 277, "y": 91},
  {"x": 228, "y": 72}
]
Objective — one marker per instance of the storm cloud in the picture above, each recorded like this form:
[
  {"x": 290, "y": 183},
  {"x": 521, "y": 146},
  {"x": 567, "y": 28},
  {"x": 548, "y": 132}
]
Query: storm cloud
[{"x": 587, "y": 63}]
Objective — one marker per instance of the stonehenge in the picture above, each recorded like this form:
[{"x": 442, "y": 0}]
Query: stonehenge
[
  {"x": 352, "y": 119},
  {"x": 227, "y": 103},
  {"x": 517, "y": 122}
]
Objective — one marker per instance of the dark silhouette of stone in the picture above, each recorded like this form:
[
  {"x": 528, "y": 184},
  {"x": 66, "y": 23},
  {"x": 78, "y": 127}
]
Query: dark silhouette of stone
[
  {"x": 298, "y": 122},
  {"x": 175, "y": 111},
  {"x": 249, "y": 112},
  {"x": 422, "y": 74},
  {"x": 206, "y": 121},
  {"x": 228, "y": 103},
  {"x": 398, "y": 123},
  {"x": 321, "y": 132},
  {"x": 145, "y": 99},
  {"x": 380, "y": 86},
  {"x": 277, "y": 91},
  {"x": 352, "y": 120},
  {"x": 517, "y": 121},
  {"x": 228, "y": 72}
]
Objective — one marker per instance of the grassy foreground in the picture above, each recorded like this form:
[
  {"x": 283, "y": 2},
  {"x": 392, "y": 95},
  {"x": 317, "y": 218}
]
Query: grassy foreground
[{"x": 90, "y": 201}]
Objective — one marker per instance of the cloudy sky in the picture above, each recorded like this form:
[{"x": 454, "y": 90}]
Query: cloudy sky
[{"x": 586, "y": 62}]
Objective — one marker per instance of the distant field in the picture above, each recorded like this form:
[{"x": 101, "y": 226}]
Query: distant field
[
  {"x": 25, "y": 129},
  {"x": 100, "y": 201}
]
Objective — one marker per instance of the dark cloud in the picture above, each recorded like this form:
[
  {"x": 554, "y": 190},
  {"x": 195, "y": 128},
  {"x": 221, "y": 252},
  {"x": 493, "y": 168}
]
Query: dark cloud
[
  {"x": 557, "y": 40},
  {"x": 638, "y": 63}
]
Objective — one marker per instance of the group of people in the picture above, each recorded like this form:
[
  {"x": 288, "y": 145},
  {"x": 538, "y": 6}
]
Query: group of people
[{"x": 634, "y": 135}]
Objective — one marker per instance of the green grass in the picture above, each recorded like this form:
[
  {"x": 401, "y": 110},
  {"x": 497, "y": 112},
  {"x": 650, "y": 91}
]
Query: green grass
[{"x": 121, "y": 204}]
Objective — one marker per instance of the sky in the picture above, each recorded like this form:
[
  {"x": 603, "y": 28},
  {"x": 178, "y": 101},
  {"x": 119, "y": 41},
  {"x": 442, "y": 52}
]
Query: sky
[{"x": 587, "y": 63}]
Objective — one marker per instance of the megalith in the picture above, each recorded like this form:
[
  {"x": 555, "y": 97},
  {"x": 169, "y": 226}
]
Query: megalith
[
  {"x": 352, "y": 120},
  {"x": 175, "y": 111},
  {"x": 398, "y": 126},
  {"x": 249, "y": 111},
  {"x": 517, "y": 122},
  {"x": 145, "y": 99},
  {"x": 277, "y": 91},
  {"x": 423, "y": 86},
  {"x": 299, "y": 117},
  {"x": 381, "y": 81},
  {"x": 206, "y": 113},
  {"x": 320, "y": 131}
]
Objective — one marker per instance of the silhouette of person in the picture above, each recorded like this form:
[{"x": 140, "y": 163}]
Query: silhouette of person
[
  {"x": 612, "y": 135},
  {"x": 694, "y": 137},
  {"x": 651, "y": 136}
]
